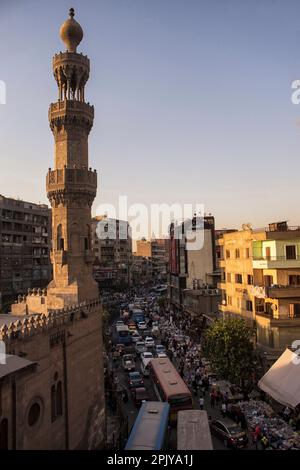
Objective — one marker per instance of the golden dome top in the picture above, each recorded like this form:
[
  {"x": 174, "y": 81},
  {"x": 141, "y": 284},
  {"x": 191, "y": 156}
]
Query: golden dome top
[{"x": 71, "y": 32}]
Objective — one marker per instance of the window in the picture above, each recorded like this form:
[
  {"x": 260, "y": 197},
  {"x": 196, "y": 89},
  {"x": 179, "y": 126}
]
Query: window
[
  {"x": 268, "y": 281},
  {"x": 290, "y": 252},
  {"x": 294, "y": 280},
  {"x": 249, "y": 305},
  {"x": 247, "y": 253},
  {"x": 268, "y": 252},
  {"x": 237, "y": 253},
  {"x": 229, "y": 300},
  {"x": 227, "y": 253},
  {"x": 250, "y": 279},
  {"x": 239, "y": 279},
  {"x": 34, "y": 414},
  {"x": 56, "y": 399},
  {"x": 228, "y": 277}
]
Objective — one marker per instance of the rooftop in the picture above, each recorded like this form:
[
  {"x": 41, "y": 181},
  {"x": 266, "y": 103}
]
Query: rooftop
[{"x": 14, "y": 364}]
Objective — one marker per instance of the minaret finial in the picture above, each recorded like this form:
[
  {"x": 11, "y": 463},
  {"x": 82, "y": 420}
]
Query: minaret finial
[{"x": 71, "y": 32}]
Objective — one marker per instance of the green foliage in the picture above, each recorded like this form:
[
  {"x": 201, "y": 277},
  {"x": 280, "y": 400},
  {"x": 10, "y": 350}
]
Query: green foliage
[{"x": 228, "y": 346}]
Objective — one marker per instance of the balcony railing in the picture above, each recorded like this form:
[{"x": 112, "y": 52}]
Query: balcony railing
[{"x": 275, "y": 258}]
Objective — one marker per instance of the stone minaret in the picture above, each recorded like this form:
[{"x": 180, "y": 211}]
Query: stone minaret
[{"x": 71, "y": 185}]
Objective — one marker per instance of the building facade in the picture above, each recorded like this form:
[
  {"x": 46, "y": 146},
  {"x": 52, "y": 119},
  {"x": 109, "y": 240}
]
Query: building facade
[
  {"x": 25, "y": 243},
  {"x": 157, "y": 250},
  {"x": 112, "y": 248},
  {"x": 192, "y": 258},
  {"x": 261, "y": 283},
  {"x": 60, "y": 404}
]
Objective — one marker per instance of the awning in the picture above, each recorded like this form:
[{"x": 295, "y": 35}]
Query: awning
[{"x": 282, "y": 381}]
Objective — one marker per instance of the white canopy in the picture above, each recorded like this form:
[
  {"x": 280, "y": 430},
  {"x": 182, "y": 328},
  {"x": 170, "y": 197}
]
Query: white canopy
[{"x": 282, "y": 381}]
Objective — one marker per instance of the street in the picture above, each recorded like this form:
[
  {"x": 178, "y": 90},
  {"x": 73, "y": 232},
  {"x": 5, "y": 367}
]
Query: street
[{"x": 129, "y": 408}]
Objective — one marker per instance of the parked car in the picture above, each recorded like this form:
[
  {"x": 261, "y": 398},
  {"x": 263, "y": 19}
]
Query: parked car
[
  {"x": 230, "y": 433},
  {"x": 139, "y": 395},
  {"x": 159, "y": 348},
  {"x": 142, "y": 325},
  {"x": 140, "y": 347},
  {"x": 135, "y": 380},
  {"x": 128, "y": 362},
  {"x": 149, "y": 342}
]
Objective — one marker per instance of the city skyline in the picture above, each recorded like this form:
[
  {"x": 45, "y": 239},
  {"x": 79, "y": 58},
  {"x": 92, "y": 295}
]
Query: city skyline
[{"x": 166, "y": 81}]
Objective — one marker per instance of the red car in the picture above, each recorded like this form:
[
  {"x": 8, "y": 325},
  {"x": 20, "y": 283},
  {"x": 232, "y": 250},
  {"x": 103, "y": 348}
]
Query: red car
[{"x": 139, "y": 395}]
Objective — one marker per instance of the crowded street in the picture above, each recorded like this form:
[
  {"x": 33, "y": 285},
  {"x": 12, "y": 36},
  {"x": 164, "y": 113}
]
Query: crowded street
[{"x": 171, "y": 334}]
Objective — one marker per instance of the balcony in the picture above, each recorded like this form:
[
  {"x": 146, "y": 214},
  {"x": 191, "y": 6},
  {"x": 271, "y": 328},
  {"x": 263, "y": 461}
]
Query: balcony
[
  {"x": 73, "y": 180},
  {"x": 275, "y": 262},
  {"x": 268, "y": 319},
  {"x": 275, "y": 292},
  {"x": 283, "y": 292}
]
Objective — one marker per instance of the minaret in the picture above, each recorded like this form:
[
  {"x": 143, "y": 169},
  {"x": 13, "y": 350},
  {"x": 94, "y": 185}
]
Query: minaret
[{"x": 71, "y": 185}]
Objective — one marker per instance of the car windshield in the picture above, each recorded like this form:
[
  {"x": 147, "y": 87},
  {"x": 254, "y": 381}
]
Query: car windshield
[
  {"x": 135, "y": 375},
  {"x": 147, "y": 355},
  {"x": 234, "y": 429}
]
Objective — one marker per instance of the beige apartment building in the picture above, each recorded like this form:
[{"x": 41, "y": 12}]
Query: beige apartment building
[{"x": 260, "y": 272}]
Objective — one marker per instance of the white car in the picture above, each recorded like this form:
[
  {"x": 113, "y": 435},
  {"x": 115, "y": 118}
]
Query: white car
[
  {"x": 155, "y": 329},
  {"x": 161, "y": 355},
  {"x": 142, "y": 325},
  {"x": 149, "y": 342},
  {"x": 147, "y": 355},
  {"x": 135, "y": 337}
]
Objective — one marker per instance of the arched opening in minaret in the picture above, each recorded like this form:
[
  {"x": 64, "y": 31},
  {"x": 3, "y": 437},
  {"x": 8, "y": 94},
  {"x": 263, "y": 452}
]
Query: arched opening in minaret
[
  {"x": 60, "y": 243},
  {"x": 87, "y": 239}
]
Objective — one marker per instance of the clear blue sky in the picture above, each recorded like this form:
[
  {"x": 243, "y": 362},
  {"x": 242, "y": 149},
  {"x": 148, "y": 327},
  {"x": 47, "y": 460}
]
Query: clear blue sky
[{"x": 192, "y": 102}]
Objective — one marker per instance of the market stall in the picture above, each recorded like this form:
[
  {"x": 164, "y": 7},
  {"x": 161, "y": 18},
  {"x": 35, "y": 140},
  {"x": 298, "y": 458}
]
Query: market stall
[
  {"x": 282, "y": 381},
  {"x": 280, "y": 434}
]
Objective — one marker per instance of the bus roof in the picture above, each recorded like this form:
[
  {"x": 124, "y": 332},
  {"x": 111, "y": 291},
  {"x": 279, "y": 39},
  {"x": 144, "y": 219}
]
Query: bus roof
[
  {"x": 169, "y": 378},
  {"x": 149, "y": 428},
  {"x": 193, "y": 432}
]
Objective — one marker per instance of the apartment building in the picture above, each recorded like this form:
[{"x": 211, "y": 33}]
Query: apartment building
[
  {"x": 112, "y": 247},
  {"x": 25, "y": 238},
  {"x": 156, "y": 250},
  {"x": 261, "y": 281},
  {"x": 192, "y": 261}
]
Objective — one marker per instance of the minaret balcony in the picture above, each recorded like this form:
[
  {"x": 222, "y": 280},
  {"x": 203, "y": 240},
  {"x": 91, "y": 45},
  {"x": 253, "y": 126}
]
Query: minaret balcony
[
  {"x": 72, "y": 180},
  {"x": 71, "y": 107}
]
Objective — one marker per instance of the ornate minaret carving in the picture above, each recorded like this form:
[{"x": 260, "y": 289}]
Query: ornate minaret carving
[{"x": 71, "y": 185}]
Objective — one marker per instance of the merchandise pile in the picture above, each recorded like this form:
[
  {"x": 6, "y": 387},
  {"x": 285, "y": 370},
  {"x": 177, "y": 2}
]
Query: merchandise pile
[{"x": 280, "y": 434}]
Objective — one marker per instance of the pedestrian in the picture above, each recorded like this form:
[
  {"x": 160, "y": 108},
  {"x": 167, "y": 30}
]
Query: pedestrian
[
  {"x": 223, "y": 409},
  {"x": 212, "y": 399},
  {"x": 201, "y": 403},
  {"x": 254, "y": 440},
  {"x": 264, "y": 442},
  {"x": 219, "y": 396}
]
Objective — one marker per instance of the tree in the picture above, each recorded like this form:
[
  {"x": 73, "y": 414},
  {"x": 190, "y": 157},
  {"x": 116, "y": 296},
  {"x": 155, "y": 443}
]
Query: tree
[{"x": 228, "y": 346}]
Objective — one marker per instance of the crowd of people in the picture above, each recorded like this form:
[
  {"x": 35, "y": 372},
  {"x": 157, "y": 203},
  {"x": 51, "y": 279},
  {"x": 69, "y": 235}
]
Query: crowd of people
[{"x": 181, "y": 337}]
